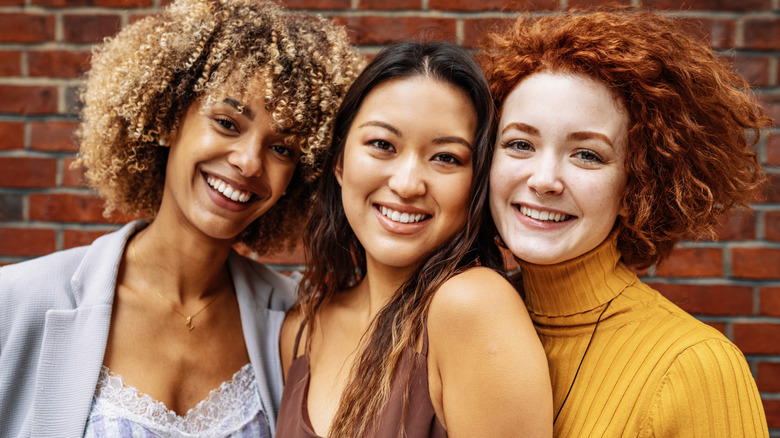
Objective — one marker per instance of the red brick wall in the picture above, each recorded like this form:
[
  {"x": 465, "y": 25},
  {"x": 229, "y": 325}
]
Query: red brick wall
[{"x": 732, "y": 284}]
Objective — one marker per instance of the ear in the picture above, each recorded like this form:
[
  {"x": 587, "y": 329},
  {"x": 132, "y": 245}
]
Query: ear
[{"x": 338, "y": 168}]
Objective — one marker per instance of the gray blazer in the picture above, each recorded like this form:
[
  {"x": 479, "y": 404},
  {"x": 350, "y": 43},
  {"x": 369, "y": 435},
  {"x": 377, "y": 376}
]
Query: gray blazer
[{"x": 55, "y": 313}]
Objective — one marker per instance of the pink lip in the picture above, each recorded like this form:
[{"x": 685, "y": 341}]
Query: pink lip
[
  {"x": 398, "y": 227},
  {"x": 227, "y": 203}
]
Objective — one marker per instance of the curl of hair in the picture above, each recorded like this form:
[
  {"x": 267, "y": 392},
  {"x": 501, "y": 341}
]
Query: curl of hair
[
  {"x": 692, "y": 119},
  {"x": 143, "y": 80},
  {"x": 336, "y": 260}
]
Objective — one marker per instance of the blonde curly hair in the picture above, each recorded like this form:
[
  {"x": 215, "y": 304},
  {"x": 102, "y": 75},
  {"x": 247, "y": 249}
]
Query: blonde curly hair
[{"x": 143, "y": 80}]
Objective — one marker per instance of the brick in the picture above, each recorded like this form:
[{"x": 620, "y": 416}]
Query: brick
[
  {"x": 719, "y": 326},
  {"x": 772, "y": 225},
  {"x": 386, "y": 30},
  {"x": 771, "y": 104},
  {"x": 754, "y": 69},
  {"x": 756, "y": 263},
  {"x": 74, "y": 238},
  {"x": 73, "y": 104},
  {"x": 716, "y": 5},
  {"x": 11, "y": 135},
  {"x": 72, "y": 177},
  {"x": 26, "y": 28},
  {"x": 770, "y": 301},
  {"x": 760, "y": 33},
  {"x": 773, "y": 150},
  {"x": 771, "y": 192},
  {"x": 738, "y": 225},
  {"x": 67, "y": 207},
  {"x": 494, "y": 5},
  {"x": 389, "y": 4},
  {"x": 768, "y": 378},
  {"x": 719, "y": 33},
  {"x": 89, "y": 28},
  {"x": 27, "y": 100},
  {"x": 475, "y": 31},
  {"x": 27, "y": 172},
  {"x": 10, "y": 63},
  {"x": 99, "y": 3},
  {"x": 10, "y": 207},
  {"x": 53, "y": 136},
  {"x": 692, "y": 263},
  {"x": 26, "y": 242},
  {"x": 58, "y": 64},
  {"x": 757, "y": 338},
  {"x": 709, "y": 300},
  {"x": 11, "y": 2},
  {"x": 772, "y": 411},
  {"x": 317, "y": 4}
]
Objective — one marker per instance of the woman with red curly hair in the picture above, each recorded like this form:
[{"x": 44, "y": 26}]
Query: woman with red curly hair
[{"x": 618, "y": 137}]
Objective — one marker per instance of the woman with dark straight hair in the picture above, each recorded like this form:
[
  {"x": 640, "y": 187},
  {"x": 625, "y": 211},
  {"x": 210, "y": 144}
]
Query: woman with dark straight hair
[{"x": 406, "y": 331}]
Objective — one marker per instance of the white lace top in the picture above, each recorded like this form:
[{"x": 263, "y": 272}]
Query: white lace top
[{"x": 232, "y": 410}]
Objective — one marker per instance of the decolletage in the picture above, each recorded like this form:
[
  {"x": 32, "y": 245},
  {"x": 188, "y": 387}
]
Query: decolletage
[{"x": 420, "y": 420}]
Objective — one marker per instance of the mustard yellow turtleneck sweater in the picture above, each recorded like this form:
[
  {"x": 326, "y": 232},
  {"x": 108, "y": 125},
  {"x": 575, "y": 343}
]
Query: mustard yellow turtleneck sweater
[{"x": 652, "y": 370}]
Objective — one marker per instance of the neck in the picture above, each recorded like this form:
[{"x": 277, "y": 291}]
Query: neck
[
  {"x": 380, "y": 284},
  {"x": 181, "y": 265}
]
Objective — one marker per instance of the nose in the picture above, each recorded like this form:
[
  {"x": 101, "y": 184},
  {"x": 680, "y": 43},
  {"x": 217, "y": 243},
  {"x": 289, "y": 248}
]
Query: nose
[
  {"x": 545, "y": 175},
  {"x": 247, "y": 157},
  {"x": 408, "y": 179}
]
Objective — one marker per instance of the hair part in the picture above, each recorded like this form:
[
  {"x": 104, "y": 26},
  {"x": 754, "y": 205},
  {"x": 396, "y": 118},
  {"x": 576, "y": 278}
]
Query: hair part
[
  {"x": 336, "y": 260},
  {"x": 145, "y": 78},
  {"x": 689, "y": 160}
]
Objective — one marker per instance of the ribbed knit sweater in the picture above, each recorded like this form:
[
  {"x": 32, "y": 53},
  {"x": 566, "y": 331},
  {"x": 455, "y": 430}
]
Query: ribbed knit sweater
[{"x": 652, "y": 370}]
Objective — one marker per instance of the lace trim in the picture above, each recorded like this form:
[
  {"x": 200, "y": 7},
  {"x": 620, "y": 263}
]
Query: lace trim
[{"x": 227, "y": 408}]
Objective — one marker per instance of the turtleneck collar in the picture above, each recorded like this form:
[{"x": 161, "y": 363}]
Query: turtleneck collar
[{"x": 578, "y": 285}]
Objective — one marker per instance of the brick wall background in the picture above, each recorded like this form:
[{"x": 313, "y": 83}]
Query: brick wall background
[{"x": 732, "y": 284}]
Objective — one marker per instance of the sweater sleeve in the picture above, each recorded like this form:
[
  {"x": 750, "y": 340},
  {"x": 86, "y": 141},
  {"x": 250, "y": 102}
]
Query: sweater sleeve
[{"x": 707, "y": 391}]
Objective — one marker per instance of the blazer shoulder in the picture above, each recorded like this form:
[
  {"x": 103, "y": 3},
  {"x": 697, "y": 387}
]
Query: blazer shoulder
[{"x": 259, "y": 276}]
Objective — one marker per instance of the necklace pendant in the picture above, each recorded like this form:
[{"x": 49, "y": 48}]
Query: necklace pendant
[{"x": 189, "y": 323}]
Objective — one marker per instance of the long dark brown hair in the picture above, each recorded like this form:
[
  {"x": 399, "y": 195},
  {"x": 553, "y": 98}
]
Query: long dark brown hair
[{"x": 336, "y": 260}]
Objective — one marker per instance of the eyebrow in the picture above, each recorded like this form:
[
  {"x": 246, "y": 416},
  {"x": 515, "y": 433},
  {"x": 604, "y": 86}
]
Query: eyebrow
[
  {"x": 577, "y": 136},
  {"x": 438, "y": 140},
  {"x": 240, "y": 107}
]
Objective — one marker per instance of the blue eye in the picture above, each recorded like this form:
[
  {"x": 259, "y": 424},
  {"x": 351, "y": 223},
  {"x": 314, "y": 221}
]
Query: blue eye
[{"x": 589, "y": 156}]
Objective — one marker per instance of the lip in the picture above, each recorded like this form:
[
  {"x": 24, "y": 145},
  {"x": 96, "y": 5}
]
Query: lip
[
  {"x": 225, "y": 202},
  {"x": 540, "y": 224},
  {"x": 399, "y": 227}
]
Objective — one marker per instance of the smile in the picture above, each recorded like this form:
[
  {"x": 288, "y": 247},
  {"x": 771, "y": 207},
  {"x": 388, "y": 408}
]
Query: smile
[
  {"x": 228, "y": 191},
  {"x": 545, "y": 216},
  {"x": 404, "y": 218}
]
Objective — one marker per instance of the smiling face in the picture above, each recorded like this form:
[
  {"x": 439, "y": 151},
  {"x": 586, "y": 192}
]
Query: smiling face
[
  {"x": 227, "y": 166},
  {"x": 406, "y": 169},
  {"x": 562, "y": 137}
]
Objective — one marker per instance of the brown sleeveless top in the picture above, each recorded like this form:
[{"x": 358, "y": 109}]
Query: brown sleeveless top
[{"x": 419, "y": 422}]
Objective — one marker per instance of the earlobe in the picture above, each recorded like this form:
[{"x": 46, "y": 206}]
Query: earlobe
[{"x": 338, "y": 168}]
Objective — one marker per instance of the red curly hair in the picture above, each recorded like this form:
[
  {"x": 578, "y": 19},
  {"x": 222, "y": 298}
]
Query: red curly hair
[{"x": 689, "y": 157}]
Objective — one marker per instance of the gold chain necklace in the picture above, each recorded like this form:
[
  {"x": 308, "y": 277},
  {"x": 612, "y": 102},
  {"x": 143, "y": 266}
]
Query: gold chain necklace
[{"x": 173, "y": 306}]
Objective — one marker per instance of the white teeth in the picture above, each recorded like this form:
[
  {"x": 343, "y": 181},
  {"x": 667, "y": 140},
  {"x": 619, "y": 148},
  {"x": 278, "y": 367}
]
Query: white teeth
[
  {"x": 543, "y": 215},
  {"x": 228, "y": 191},
  {"x": 404, "y": 218}
]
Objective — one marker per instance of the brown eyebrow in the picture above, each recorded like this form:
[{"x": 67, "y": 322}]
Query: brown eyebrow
[
  {"x": 384, "y": 125},
  {"x": 240, "y": 107},
  {"x": 521, "y": 127},
  {"x": 588, "y": 135},
  {"x": 446, "y": 140}
]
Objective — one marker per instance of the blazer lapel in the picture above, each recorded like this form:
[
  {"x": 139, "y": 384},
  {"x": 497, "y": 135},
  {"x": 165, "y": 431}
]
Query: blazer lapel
[{"x": 74, "y": 341}]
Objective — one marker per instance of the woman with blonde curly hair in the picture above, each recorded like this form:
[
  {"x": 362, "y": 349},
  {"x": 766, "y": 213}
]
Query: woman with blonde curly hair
[
  {"x": 208, "y": 119},
  {"x": 618, "y": 137}
]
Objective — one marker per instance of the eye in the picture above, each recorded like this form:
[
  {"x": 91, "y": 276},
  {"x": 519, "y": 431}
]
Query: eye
[
  {"x": 381, "y": 145},
  {"x": 520, "y": 145},
  {"x": 447, "y": 158},
  {"x": 226, "y": 124},
  {"x": 283, "y": 150},
  {"x": 588, "y": 156}
]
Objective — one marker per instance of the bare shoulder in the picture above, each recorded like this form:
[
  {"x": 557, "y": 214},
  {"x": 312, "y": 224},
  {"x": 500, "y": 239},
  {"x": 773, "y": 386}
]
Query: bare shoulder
[
  {"x": 475, "y": 293},
  {"x": 290, "y": 327}
]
